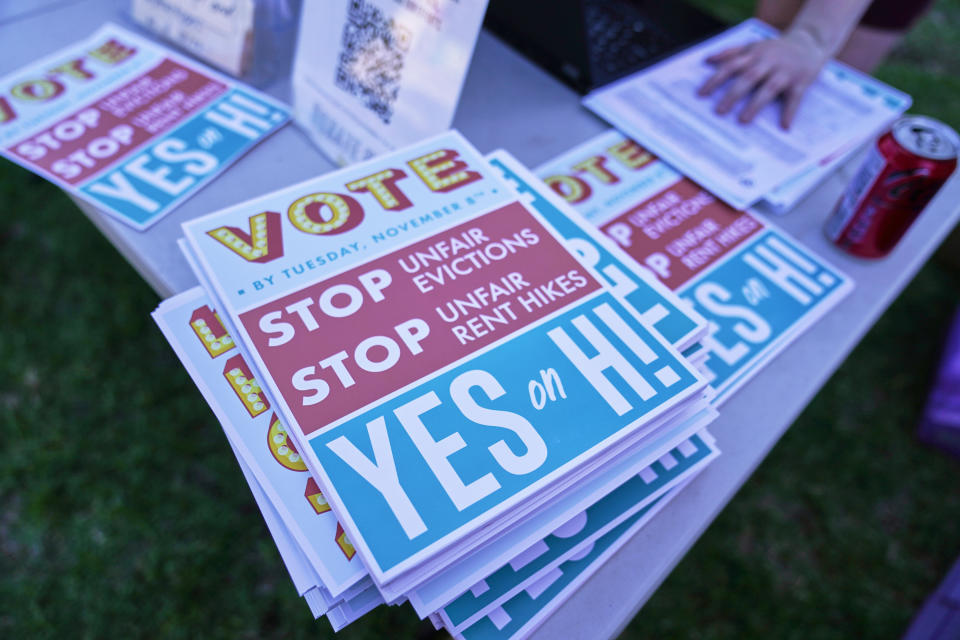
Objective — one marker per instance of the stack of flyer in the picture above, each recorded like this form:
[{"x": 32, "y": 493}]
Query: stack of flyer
[
  {"x": 760, "y": 163},
  {"x": 443, "y": 385}
]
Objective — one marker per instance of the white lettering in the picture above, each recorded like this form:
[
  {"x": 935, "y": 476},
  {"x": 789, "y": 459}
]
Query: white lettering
[
  {"x": 536, "y": 453},
  {"x": 437, "y": 452},
  {"x": 382, "y": 474}
]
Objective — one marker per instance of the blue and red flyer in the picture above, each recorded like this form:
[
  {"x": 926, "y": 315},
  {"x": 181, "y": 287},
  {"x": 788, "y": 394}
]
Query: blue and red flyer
[
  {"x": 434, "y": 348},
  {"x": 757, "y": 287},
  {"x": 128, "y": 125}
]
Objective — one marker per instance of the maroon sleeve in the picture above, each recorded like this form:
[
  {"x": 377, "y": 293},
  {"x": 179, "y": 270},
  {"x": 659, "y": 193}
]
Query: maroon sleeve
[{"x": 894, "y": 15}]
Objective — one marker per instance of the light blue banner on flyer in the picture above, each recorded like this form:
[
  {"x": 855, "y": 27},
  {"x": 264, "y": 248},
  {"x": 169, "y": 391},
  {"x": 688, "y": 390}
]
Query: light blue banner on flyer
[
  {"x": 432, "y": 498},
  {"x": 768, "y": 288},
  {"x": 147, "y": 185},
  {"x": 517, "y": 613}
]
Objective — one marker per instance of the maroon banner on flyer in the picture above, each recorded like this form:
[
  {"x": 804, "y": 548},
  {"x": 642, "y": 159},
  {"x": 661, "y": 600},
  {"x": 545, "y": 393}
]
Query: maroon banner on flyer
[
  {"x": 334, "y": 346},
  {"x": 92, "y": 138},
  {"x": 680, "y": 231}
]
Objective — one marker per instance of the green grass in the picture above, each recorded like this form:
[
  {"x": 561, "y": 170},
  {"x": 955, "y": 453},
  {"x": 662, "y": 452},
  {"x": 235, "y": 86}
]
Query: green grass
[{"x": 122, "y": 511}]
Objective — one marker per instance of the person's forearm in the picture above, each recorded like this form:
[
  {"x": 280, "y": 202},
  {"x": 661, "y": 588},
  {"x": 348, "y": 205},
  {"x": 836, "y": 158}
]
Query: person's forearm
[{"x": 827, "y": 23}]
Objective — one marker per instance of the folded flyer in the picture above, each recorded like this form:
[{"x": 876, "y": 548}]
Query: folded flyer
[
  {"x": 128, "y": 125},
  {"x": 786, "y": 196}
]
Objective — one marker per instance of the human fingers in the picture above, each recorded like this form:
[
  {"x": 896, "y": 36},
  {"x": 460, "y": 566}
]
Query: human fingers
[
  {"x": 791, "y": 103},
  {"x": 741, "y": 86},
  {"x": 723, "y": 73},
  {"x": 771, "y": 87},
  {"x": 726, "y": 54}
]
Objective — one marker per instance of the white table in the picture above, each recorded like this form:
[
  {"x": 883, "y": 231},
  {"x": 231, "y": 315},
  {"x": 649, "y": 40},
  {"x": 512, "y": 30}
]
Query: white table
[{"x": 509, "y": 103}]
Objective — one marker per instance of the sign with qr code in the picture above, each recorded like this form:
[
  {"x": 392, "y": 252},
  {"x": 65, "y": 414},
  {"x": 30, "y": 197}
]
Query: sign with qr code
[{"x": 374, "y": 75}]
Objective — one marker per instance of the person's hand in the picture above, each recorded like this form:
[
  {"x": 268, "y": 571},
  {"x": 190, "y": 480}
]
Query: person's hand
[{"x": 767, "y": 69}]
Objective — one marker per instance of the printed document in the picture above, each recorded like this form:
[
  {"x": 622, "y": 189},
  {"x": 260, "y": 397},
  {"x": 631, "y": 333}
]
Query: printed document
[{"x": 740, "y": 164}]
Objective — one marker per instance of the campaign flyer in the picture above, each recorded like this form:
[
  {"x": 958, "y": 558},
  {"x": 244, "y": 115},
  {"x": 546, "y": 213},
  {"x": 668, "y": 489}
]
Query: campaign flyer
[
  {"x": 208, "y": 352},
  {"x": 757, "y": 287},
  {"x": 128, "y": 125},
  {"x": 432, "y": 344},
  {"x": 640, "y": 290}
]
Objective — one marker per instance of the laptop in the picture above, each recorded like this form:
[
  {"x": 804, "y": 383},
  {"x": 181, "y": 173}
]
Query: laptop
[{"x": 590, "y": 43}]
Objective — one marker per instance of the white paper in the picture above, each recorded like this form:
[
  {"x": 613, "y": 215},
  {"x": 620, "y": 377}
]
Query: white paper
[
  {"x": 659, "y": 107},
  {"x": 785, "y": 197},
  {"x": 218, "y": 31}
]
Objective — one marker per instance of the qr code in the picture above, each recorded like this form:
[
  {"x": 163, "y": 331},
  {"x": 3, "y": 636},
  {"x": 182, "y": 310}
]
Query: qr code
[{"x": 371, "y": 58}]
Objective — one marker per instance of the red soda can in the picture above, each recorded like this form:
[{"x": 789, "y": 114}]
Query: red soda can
[{"x": 899, "y": 176}]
